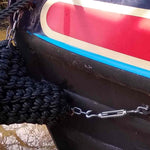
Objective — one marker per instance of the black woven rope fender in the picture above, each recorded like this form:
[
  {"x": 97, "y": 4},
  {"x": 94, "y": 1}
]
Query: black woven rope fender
[{"x": 23, "y": 99}]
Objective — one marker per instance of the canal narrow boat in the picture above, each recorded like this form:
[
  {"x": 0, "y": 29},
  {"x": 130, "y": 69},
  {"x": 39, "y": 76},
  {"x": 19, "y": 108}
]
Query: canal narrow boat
[{"x": 99, "y": 52}]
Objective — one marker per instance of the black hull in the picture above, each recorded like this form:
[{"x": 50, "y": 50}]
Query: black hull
[{"x": 92, "y": 85}]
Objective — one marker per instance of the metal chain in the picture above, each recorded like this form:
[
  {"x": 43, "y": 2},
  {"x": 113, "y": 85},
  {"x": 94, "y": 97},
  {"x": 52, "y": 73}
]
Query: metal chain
[
  {"x": 143, "y": 110},
  {"x": 11, "y": 32}
]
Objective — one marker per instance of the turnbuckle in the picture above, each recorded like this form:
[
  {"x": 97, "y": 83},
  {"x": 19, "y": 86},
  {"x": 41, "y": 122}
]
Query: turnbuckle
[
  {"x": 112, "y": 114},
  {"x": 143, "y": 110}
]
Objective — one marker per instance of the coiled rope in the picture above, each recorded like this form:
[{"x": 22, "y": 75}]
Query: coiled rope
[
  {"x": 13, "y": 8},
  {"x": 23, "y": 99}
]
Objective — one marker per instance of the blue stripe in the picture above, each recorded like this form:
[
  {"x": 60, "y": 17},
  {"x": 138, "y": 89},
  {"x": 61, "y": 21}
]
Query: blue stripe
[{"x": 99, "y": 58}]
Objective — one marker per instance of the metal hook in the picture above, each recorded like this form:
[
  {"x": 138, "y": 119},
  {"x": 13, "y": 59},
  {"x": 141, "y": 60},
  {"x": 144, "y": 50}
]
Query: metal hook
[
  {"x": 76, "y": 110},
  {"x": 141, "y": 109},
  {"x": 88, "y": 115}
]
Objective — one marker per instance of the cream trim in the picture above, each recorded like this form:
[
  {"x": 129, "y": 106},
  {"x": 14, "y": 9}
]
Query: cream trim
[{"x": 91, "y": 47}]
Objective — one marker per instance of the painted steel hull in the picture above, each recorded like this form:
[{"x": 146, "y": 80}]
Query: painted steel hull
[{"x": 102, "y": 62}]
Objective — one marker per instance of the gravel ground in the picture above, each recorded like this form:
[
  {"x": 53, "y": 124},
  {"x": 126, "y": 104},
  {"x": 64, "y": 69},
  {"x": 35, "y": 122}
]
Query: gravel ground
[
  {"x": 25, "y": 137},
  {"x": 2, "y": 34}
]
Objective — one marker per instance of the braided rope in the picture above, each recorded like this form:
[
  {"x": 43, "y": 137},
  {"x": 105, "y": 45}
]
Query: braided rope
[
  {"x": 13, "y": 8},
  {"x": 23, "y": 99}
]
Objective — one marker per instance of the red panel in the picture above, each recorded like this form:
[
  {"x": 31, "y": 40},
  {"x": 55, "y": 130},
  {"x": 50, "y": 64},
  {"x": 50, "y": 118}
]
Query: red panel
[{"x": 122, "y": 33}]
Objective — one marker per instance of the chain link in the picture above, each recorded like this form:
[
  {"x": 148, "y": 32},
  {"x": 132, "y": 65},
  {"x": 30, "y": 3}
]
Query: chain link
[
  {"x": 143, "y": 110},
  {"x": 11, "y": 32}
]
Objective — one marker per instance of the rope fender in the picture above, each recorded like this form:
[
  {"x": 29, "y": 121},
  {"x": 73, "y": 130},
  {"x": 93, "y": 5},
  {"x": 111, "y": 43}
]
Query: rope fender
[{"x": 23, "y": 99}]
